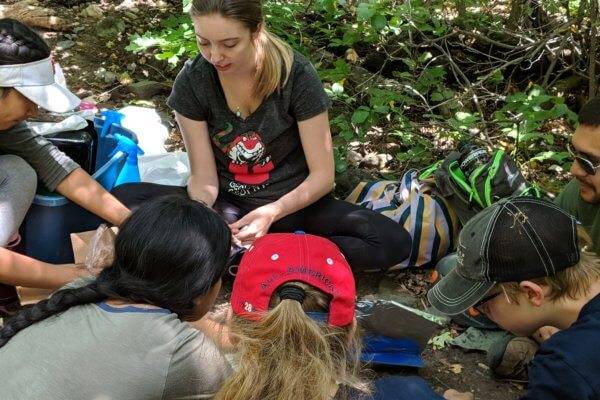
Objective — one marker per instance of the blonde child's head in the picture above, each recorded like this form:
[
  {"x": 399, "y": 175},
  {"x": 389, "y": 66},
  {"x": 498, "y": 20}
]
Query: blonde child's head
[{"x": 293, "y": 304}]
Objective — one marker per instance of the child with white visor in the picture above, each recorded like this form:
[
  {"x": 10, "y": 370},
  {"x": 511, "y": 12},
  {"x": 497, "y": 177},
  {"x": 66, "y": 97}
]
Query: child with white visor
[{"x": 26, "y": 82}]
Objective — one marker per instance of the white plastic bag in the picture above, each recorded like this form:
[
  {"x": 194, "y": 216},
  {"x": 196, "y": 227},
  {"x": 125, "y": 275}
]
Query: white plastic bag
[
  {"x": 72, "y": 123},
  {"x": 165, "y": 169},
  {"x": 101, "y": 251}
]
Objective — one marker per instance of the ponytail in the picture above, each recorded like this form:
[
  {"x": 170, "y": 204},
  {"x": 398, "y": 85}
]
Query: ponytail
[
  {"x": 274, "y": 64},
  {"x": 57, "y": 303},
  {"x": 289, "y": 356}
]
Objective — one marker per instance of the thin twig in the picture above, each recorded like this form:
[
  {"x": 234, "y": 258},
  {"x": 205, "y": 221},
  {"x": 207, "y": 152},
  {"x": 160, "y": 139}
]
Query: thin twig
[
  {"x": 489, "y": 40},
  {"x": 556, "y": 56}
]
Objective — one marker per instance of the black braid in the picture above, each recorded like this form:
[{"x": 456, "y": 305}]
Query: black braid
[
  {"x": 57, "y": 303},
  {"x": 170, "y": 252},
  {"x": 19, "y": 44}
]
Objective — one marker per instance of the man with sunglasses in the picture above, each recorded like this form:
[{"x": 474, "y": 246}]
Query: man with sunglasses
[{"x": 581, "y": 197}]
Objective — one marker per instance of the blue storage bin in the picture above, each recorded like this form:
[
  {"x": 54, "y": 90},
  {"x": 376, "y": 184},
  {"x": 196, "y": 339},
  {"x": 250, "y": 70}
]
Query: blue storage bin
[
  {"x": 106, "y": 127},
  {"x": 52, "y": 218}
]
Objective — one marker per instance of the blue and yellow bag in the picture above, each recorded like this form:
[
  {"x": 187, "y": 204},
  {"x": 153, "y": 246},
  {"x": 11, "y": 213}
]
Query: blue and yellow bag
[{"x": 432, "y": 224}]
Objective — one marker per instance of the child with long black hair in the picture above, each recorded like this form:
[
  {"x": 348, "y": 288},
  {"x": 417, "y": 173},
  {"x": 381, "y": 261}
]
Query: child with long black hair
[{"x": 122, "y": 335}]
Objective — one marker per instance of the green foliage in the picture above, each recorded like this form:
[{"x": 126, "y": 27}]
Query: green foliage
[
  {"x": 464, "y": 121},
  {"x": 524, "y": 114},
  {"x": 442, "y": 340},
  {"x": 175, "y": 40},
  {"x": 424, "y": 85}
]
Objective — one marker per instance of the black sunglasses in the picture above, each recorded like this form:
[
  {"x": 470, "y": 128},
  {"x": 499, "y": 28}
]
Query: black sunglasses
[
  {"x": 487, "y": 298},
  {"x": 587, "y": 165}
]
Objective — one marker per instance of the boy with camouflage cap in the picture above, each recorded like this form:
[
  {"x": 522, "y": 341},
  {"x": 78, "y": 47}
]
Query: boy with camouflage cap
[{"x": 522, "y": 263}]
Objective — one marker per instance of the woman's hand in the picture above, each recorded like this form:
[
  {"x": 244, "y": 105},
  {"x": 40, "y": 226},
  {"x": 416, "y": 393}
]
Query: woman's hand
[
  {"x": 217, "y": 326},
  {"x": 255, "y": 224}
]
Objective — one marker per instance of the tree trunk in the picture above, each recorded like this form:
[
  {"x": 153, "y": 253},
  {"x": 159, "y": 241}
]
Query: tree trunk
[
  {"x": 593, "y": 48},
  {"x": 517, "y": 9}
]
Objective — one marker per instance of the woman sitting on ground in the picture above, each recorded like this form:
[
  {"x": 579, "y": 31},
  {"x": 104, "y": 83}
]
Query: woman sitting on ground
[
  {"x": 253, "y": 114},
  {"x": 26, "y": 82},
  {"x": 122, "y": 335}
]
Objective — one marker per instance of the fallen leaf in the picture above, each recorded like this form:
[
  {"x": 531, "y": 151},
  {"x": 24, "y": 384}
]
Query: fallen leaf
[
  {"x": 456, "y": 368},
  {"x": 440, "y": 341},
  {"x": 351, "y": 55},
  {"x": 125, "y": 79}
]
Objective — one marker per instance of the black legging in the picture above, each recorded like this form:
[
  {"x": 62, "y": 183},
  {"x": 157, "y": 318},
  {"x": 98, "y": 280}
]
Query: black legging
[{"x": 368, "y": 239}]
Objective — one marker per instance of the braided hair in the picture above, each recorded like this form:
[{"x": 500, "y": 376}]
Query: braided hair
[
  {"x": 168, "y": 253},
  {"x": 19, "y": 44}
]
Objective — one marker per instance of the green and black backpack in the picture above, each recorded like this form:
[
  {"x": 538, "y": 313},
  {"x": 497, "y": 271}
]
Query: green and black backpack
[{"x": 471, "y": 180}]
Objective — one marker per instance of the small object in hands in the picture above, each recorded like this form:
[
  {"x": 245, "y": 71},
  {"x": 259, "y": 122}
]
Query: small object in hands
[
  {"x": 244, "y": 227},
  {"x": 246, "y": 244},
  {"x": 101, "y": 250},
  {"x": 14, "y": 241}
]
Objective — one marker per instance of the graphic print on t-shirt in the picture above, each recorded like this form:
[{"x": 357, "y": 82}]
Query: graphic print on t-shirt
[{"x": 249, "y": 164}]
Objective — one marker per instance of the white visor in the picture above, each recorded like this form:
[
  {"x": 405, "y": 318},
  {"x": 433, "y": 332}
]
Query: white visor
[{"x": 35, "y": 80}]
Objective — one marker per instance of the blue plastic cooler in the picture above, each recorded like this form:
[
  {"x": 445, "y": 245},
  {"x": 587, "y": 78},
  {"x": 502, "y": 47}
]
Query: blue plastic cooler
[{"x": 52, "y": 218}]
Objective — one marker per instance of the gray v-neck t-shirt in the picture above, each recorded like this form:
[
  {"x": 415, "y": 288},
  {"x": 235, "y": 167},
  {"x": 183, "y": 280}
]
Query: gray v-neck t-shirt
[{"x": 259, "y": 158}]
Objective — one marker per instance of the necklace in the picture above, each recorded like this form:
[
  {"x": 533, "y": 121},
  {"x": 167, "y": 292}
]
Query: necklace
[{"x": 238, "y": 113}]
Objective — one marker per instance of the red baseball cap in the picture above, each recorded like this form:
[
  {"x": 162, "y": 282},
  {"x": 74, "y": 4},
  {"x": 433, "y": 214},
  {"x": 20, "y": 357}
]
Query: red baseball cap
[{"x": 277, "y": 258}]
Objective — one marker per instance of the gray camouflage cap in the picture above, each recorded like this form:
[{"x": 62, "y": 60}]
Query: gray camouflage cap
[{"x": 515, "y": 239}]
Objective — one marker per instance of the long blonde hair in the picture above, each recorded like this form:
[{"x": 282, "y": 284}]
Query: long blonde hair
[
  {"x": 289, "y": 356},
  {"x": 274, "y": 57}
]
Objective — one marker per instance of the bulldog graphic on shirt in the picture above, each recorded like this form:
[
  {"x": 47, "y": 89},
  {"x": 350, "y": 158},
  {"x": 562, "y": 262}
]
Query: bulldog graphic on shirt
[{"x": 249, "y": 164}]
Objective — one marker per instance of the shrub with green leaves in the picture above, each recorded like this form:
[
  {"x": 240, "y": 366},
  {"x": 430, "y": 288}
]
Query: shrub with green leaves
[{"x": 412, "y": 83}]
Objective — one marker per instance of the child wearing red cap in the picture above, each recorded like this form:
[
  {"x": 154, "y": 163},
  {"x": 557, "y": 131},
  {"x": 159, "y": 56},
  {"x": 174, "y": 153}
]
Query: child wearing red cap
[{"x": 293, "y": 304}]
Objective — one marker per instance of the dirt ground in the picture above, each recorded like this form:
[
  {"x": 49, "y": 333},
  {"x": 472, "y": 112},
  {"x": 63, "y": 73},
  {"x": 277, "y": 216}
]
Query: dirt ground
[{"x": 87, "y": 54}]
